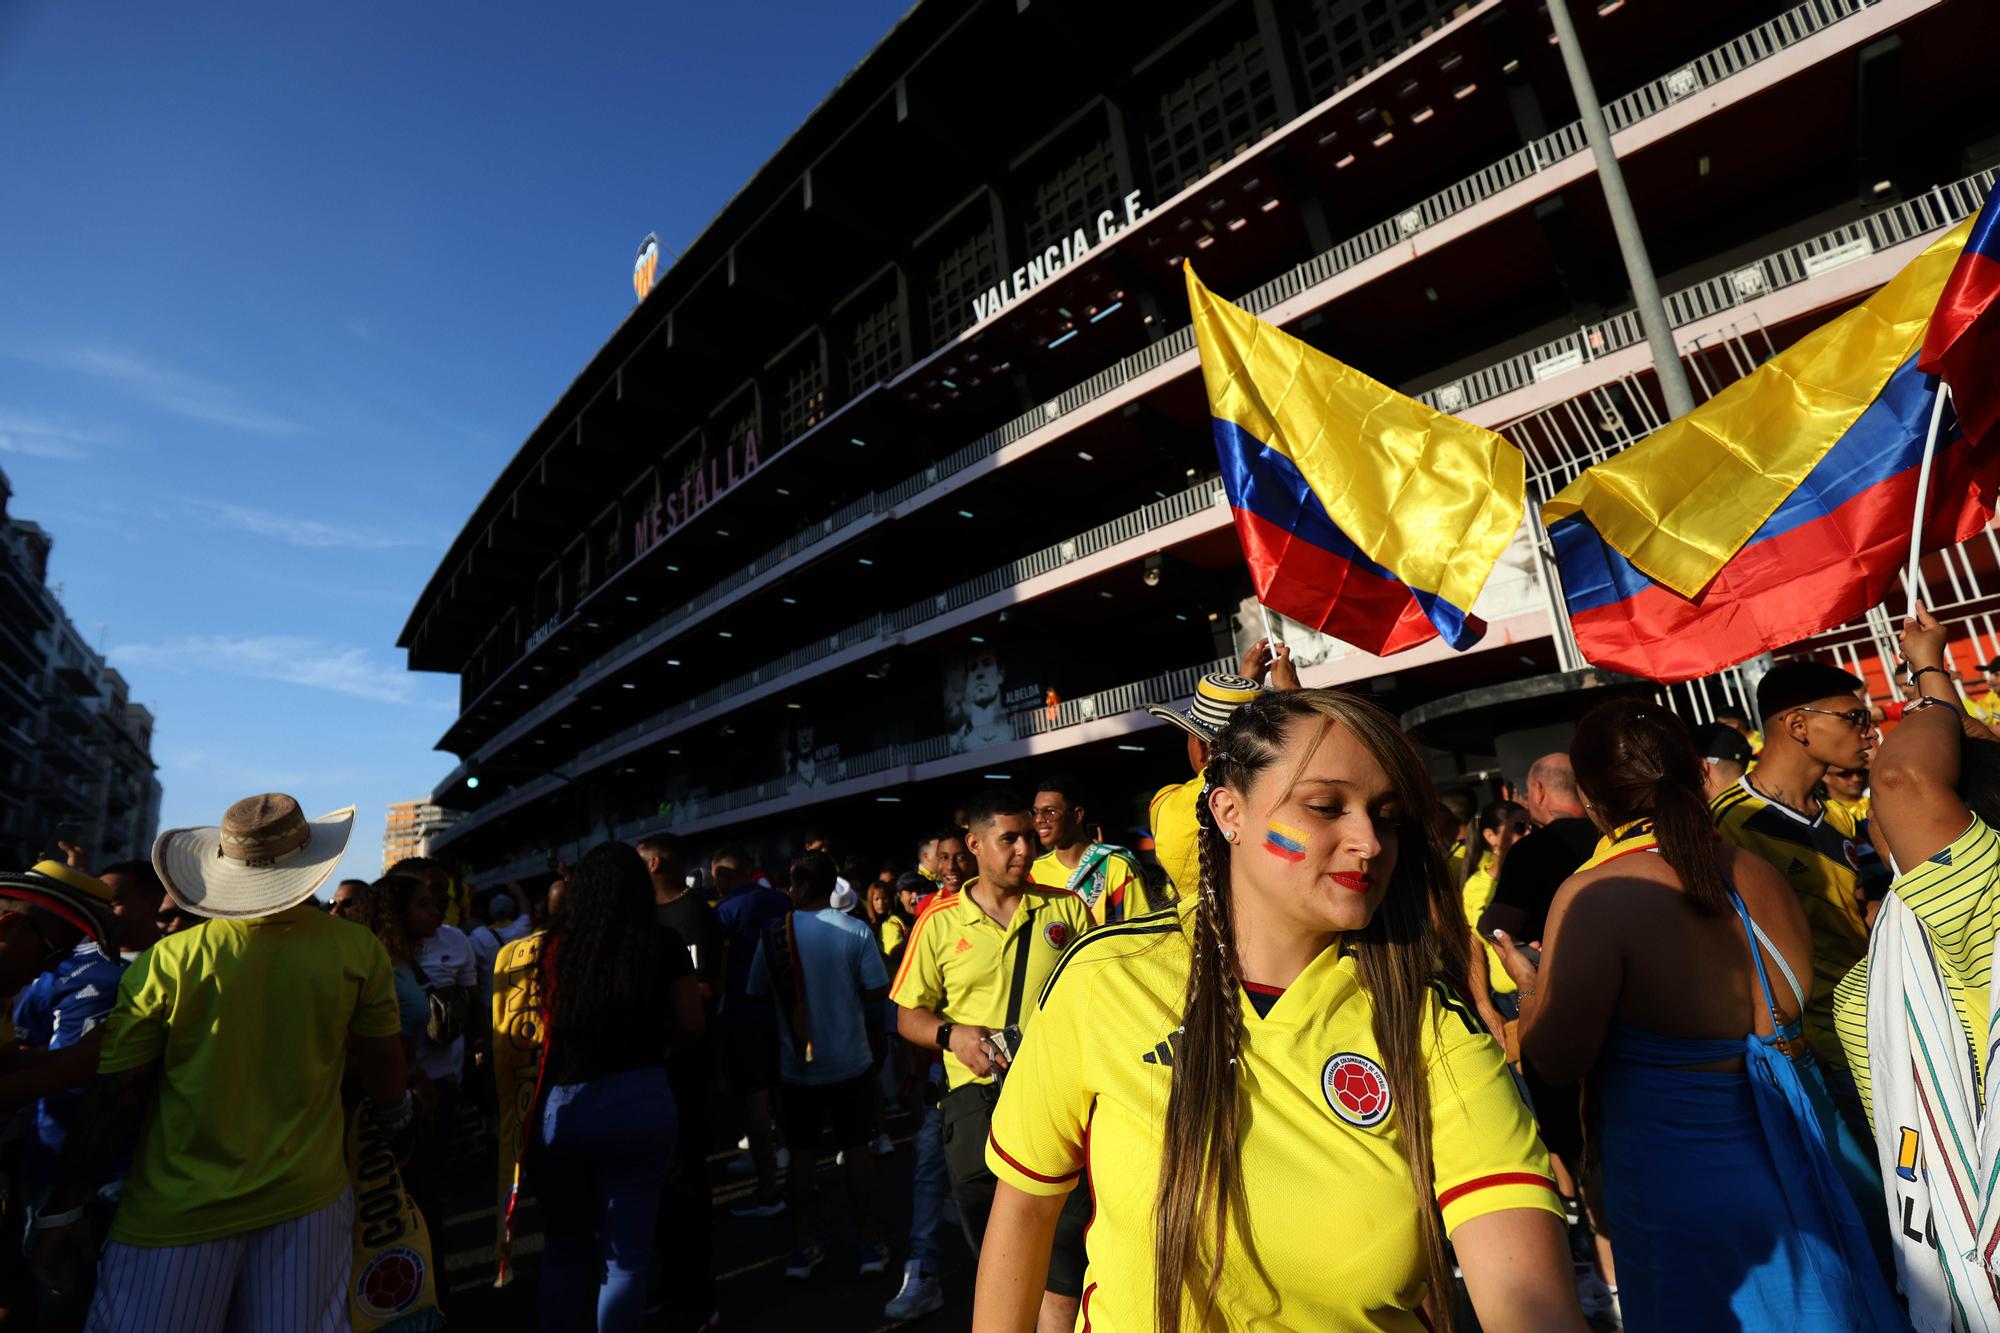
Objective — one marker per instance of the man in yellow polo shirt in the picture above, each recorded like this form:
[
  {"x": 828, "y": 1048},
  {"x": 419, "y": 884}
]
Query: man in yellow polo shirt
[
  {"x": 967, "y": 987},
  {"x": 1106, "y": 877},
  {"x": 230, "y": 1040}
]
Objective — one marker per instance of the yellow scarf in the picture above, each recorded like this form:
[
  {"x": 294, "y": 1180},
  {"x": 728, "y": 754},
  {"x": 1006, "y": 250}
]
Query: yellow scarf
[
  {"x": 517, "y": 1073},
  {"x": 393, "y": 1284},
  {"x": 1636, "y": 836}
]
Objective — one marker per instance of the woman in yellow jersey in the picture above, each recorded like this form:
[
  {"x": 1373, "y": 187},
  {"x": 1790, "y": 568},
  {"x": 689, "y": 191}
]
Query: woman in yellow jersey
[
  {"x": 1283, "y": 1112},
  {"x": 1726, "y": 1205},
  {"x": 1499, "y": 826}
]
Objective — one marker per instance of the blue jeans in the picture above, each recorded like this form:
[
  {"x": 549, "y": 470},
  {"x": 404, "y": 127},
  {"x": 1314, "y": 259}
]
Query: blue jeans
[
  {"x": 606, "y": 1148},
  {"x": 927, "y": 1198}
]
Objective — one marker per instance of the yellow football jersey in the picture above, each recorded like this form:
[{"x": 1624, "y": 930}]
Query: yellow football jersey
[
  {"x": 960, "y": 963},
  {"x": 1819, "y": 859},
  {"x": 1956, "y": 894},
  {"x": 1171, "y": 813},
  {"x": 894, "y": 931},
  {"x": 1124, "y": 896},
  {"x": 1478, "y": 896},
  {"x": 1330, "y": 1237}
]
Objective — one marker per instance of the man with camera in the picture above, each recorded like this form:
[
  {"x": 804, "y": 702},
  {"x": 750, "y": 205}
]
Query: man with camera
[{"x": 975, "y": 962}]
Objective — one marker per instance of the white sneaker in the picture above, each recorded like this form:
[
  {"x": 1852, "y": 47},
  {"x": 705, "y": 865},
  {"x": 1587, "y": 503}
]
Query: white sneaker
[
  {"x": 882, "y": 1147},
  {"x": 921, "y": 1294},
  {"x": 1598, "y": 1300}
]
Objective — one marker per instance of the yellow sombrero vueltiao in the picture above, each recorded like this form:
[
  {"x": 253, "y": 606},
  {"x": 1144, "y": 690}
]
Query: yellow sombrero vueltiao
[
  {"x": 1217, "y": 696},
  {"x": 81, "y": 899}
]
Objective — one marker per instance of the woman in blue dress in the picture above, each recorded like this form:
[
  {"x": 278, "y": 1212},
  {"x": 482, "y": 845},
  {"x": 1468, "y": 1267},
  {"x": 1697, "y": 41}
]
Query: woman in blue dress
[{"x": 1672, "y": 978}]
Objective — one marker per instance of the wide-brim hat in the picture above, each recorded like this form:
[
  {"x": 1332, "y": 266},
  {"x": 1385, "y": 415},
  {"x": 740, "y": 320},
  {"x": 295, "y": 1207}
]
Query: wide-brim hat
[
  {"x": 81, "y": 899},
  {"x": 265, "y": 856},
  {"x": 1216, "y": 697}
]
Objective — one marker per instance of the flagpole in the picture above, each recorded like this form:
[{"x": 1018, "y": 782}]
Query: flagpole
[
  {"x": 1624, "y": 222},
  {"x": 1270, "y": 635},
  {"x": 1923, "y": 492}
]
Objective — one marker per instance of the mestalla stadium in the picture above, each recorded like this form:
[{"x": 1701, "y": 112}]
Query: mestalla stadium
[{"x": 900, "y": 478}]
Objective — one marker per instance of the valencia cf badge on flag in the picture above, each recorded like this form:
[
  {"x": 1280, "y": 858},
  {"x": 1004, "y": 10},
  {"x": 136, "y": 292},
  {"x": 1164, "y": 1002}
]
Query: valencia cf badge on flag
[{"x": 646, "y": 267}]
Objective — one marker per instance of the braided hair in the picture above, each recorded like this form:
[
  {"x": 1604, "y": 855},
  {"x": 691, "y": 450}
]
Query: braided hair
[{"x": 1418, "y": 934}]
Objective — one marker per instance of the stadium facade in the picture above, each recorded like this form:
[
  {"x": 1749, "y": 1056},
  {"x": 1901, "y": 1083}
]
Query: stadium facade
[{"x": 900, "y": 477}]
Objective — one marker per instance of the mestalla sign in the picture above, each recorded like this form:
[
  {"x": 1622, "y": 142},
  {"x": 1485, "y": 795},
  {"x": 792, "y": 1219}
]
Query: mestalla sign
[
  {"x": 706, "y": 482},
  {"x": 1055, "y": 259}
]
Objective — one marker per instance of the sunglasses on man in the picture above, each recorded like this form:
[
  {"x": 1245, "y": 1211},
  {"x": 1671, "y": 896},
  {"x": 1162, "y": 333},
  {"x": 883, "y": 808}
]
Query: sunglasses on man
[{"x": 1858, "y": 718}]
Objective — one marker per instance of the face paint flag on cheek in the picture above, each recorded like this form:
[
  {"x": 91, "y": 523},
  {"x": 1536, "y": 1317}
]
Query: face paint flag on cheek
[{"x": 1285, "y": 842}]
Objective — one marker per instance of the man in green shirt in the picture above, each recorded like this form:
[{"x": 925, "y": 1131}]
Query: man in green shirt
[{"x": 229, "y": 1041}]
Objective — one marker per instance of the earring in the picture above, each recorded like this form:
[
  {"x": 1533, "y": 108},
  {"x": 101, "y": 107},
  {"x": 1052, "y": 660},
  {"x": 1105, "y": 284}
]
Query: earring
[{"x": 1229, "y": 835}]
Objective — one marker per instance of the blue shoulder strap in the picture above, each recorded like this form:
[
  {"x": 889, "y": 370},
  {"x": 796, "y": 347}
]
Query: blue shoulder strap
[{"x": 1754, "y": 934}]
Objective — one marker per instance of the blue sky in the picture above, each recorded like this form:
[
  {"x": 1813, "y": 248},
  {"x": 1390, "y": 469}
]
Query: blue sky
[{"x": 286, "y": 285}]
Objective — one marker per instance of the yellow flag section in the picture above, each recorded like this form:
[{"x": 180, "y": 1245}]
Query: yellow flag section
[
  {"x": 1361, "y": 511},
  {"x": 1681, "y": 503}
]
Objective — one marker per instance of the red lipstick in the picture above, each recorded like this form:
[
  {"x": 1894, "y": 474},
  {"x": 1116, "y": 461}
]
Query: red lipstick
[{"x": 1353, "y": 880}]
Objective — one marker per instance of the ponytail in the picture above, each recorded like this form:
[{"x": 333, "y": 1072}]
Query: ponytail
[
  {"x": 1686, "y": 832},
  {"x": 1635, "y": 760}
]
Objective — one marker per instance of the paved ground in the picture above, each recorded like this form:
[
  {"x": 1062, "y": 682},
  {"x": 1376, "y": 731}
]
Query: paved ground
[
  {"x": 752, "y": 1292},
  {"x": 750, "y": 1252}
]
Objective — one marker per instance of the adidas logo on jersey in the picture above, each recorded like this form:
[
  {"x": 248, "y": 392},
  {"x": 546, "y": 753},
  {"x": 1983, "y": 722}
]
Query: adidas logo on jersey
[
  {"x": 1797, "y": 867},
  {"x": 963, "y": 945},
  {"x": 1163, "y": 1052}
]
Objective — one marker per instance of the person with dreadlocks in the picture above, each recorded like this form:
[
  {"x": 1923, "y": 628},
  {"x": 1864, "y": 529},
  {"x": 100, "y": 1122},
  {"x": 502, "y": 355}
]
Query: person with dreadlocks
[
  {"x": 604, "y": 993},
  {"x": 1287, "y": 1112}
]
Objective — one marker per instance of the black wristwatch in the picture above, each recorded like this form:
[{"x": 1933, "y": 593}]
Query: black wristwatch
[{"x": 944, "y": 1035}]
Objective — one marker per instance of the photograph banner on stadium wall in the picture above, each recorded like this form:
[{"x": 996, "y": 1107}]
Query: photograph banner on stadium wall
[
  {"x": 807, "y": 758},
  {"x": 985, "y": 692}
]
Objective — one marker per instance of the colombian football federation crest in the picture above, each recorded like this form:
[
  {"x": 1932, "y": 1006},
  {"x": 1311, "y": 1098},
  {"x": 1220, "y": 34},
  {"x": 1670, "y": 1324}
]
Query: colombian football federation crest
[
  {"x": 1356, "y": 1089},
  {"x": 1057, "y": 934},
  {"x": 390, "y": 1282}
]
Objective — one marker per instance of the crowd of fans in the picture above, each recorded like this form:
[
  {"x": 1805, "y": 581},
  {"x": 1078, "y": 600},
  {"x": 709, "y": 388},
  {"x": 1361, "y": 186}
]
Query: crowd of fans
[{"x": 1314, "y": 1059}]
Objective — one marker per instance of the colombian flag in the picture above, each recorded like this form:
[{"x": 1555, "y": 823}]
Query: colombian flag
[
  {"x": 1962, "y": 346},
  {"x": 1361, "y": 512},
  {"x": 1779, "y": 508}
]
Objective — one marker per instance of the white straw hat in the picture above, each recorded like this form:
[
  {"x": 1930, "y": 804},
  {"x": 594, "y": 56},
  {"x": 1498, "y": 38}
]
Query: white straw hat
[{"x": 266, "y": 856}]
